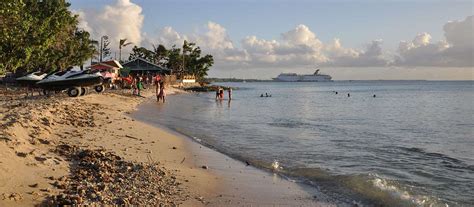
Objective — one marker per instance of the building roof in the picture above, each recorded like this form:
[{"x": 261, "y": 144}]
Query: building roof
[
  {"x": 113, "y": 63},
  {"x": 107, "y": 64},
  {"x": 140, "y": 64}
]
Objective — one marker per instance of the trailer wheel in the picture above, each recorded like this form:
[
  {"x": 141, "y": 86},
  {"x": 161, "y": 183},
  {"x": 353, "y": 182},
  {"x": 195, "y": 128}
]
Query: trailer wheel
[
  {"x": 46, "y": 92},
  {"x": 74, "y": 92},
  {"x": 99, "y": 88},
  {"x": 83, "y": 91}
]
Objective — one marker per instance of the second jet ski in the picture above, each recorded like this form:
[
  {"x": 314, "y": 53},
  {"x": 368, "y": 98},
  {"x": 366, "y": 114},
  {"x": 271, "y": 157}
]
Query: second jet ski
[{"x": 75, "y": 81}]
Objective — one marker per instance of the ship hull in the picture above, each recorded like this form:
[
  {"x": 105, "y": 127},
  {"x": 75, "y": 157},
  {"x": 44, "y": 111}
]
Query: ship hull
[{"x": 302, "y": 79}]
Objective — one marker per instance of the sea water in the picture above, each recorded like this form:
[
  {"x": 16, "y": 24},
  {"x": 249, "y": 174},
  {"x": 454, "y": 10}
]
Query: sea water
[{"x": 411, "y": 144}]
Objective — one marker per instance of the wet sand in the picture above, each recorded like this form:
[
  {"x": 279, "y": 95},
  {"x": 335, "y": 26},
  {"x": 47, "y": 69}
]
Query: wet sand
[{"x": 30, "y": 168}]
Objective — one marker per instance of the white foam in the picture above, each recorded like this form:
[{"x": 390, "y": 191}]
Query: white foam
[{"x": 399, "y": 193}]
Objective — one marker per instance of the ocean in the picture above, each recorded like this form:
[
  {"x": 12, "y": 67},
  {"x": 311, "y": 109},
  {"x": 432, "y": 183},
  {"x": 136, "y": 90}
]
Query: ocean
[{"x": 411, "y": 145}]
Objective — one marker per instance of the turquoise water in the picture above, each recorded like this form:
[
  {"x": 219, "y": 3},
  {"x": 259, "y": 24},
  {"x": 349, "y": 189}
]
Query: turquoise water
[{"x": 412, "y": 144}]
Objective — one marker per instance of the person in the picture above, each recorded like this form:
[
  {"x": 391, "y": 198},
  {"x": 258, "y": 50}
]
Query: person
[
  {"x": 375, "y": 96},
  {"x": 140, "y": 85},
  {"x": 336, "y": 92},
  {"x": 217, "y": 93},
  {"x": 157, "y": 89},
  {"x": 348, "y": 95},
  {"x": 134, "y": 85},
  {"x": 162, "y": 94},
  {"x": 261, "y": 95},
  {"x": 221, "y": 93},
  {"x": 230, "y": 93},
  {"x": 266, "y": 94}
]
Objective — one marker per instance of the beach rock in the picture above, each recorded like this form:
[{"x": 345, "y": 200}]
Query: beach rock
[
  {"x": 21, "y": 154},
  {"x": 205, "y": 167}
]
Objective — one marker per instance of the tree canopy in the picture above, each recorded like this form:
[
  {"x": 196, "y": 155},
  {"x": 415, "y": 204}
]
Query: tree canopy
[
  {"x": 186, "y": 60},
  {"x": 41, "y": 35}
]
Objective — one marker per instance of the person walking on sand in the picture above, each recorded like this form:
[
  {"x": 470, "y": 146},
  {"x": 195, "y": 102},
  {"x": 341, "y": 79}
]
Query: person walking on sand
[
  {"x": 140, "y": 85},
  {"x": 134, "y": 85},
  {"x": 162, "y": 94}
]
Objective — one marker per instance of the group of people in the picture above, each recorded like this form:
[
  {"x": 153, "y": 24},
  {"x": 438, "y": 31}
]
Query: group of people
[
  {"x": 349, "y": 95},
  {"x": 266, "y": 95},
  {"x": 220, "y": 93},
  {"x": 140, "y": 81}
]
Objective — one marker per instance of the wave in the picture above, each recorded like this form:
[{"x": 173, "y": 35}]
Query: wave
[
  {"x": 365, "y": 190},
  {"x": 444, "y": 160}
]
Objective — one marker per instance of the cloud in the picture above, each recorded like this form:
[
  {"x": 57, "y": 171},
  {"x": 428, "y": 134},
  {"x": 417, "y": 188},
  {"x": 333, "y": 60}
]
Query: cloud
[
  {"x": 347, "y": 57},
  {"x": 457, "y": 50},
  {"x": 123, "y": 19},
  {"x": 297, "y": 47}
]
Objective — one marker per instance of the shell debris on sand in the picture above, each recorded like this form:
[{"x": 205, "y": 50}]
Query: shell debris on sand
[{"x": 103, "y": 178}]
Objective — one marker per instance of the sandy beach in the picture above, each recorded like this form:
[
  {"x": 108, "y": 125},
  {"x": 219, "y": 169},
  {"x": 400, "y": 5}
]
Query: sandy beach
[{"x": 62, "y": 150}]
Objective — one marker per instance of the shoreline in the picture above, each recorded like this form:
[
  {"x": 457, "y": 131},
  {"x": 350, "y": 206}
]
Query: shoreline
[
  {"x": 242, "y": 184},
  {"x": 34, "y": 127}
]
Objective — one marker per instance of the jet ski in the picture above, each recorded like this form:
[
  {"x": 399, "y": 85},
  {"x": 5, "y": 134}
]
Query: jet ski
[
  {"x": 75, "y": 81},
  {"x": 31, "y": 79}
]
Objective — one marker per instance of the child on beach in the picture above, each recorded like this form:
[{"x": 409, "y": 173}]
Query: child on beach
[{"x": 139, "y": 85}]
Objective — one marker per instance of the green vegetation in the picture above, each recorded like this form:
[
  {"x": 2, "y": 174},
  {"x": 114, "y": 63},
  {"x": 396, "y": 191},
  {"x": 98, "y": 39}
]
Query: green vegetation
[
  {"x": 186, "y": 60},
  {"x": 41, "y": 35}
]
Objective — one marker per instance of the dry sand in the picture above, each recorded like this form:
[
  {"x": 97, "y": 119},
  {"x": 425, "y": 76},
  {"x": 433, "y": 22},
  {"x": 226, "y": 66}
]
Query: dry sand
[{"x": 31, "y": 129}]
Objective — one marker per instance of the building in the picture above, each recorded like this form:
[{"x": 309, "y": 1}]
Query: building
[
  {"x": 108, "y": 69},
  {"x": 142, "y": 66}
]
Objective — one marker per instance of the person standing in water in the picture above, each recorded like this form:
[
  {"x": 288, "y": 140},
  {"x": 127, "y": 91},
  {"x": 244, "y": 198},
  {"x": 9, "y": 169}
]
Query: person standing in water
[
  {"x": 162, "y": 94},
  {"x": 217, "y": 93},
  {"x": 221, "y": 94},
  {"x": 157, "y": 89},
  {"x": 230, "y": 93}
]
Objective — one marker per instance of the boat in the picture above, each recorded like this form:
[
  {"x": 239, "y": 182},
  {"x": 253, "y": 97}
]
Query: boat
[
  {"x": 293, "y": 77},
  {"x": 31, "y": 79},
  {"x": 75, "y": 81}
]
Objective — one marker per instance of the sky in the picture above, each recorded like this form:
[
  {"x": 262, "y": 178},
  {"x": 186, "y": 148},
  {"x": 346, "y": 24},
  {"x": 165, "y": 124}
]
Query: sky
[{"x": 350, "y": 40}]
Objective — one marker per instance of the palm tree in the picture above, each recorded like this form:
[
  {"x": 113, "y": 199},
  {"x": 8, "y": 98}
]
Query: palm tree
[{"x": 122, "y": 43}]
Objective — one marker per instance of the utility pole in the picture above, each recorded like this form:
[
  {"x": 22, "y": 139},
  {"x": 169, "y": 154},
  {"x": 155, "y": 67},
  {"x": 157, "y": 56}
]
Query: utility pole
[{"x": 100, "y": 56}]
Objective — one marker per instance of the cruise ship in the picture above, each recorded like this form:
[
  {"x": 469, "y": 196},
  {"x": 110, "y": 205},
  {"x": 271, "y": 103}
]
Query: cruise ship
[{"x": 293, "y": 77}]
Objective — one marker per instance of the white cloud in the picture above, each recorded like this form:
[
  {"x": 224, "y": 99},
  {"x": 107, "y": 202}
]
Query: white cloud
[
  {"x": 121, "y": 20},
  {"x": 456, "y": 51},
  {"x": 348, "y": 57},
  {"x": 298, "y": 47}
]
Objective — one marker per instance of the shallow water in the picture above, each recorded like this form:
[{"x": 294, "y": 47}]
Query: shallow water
[{"x": 411, "y": 145}]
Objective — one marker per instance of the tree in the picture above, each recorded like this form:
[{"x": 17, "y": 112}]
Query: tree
[
  {"x": 185, "y": 60},
  {"x": 40, "y": 35},
  {"x": 175, "y": 60},
  {"x": 141, "y": 52},
  {"x": 160, "y": 55},
  {"x": 122, "y": 43}
]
